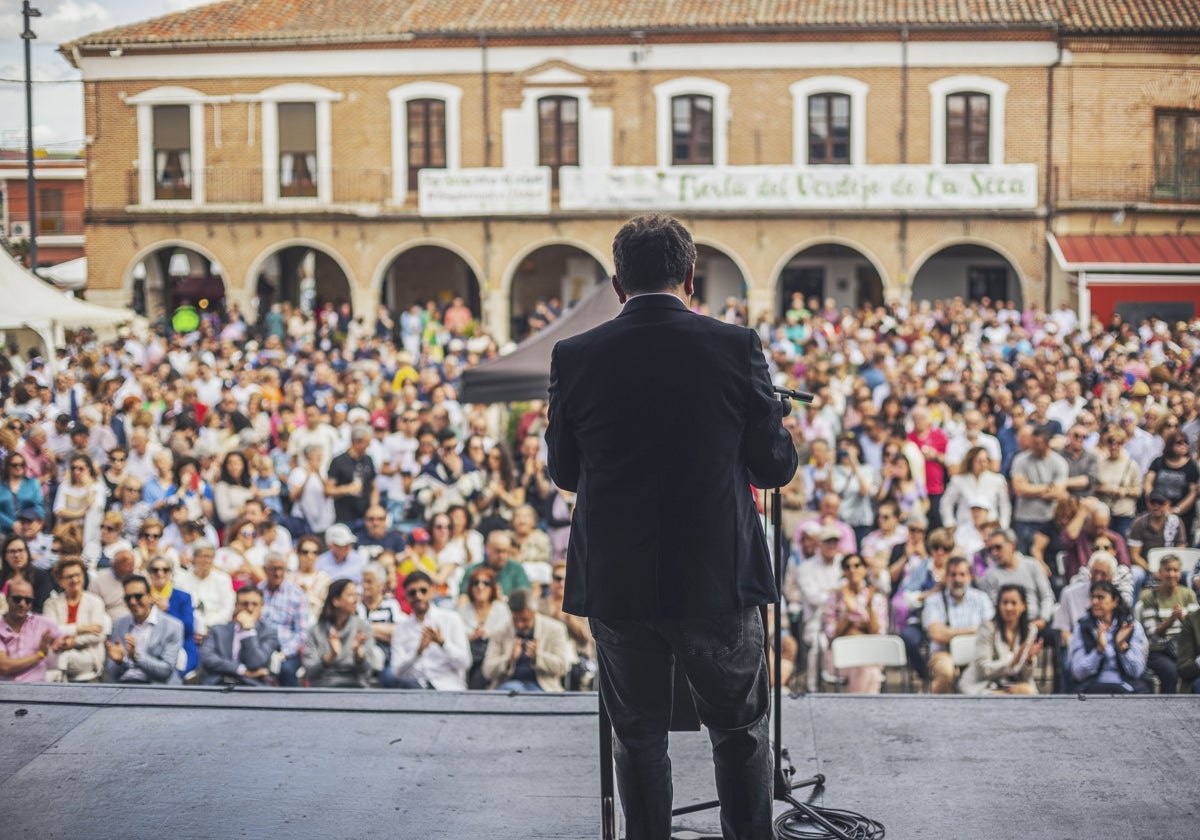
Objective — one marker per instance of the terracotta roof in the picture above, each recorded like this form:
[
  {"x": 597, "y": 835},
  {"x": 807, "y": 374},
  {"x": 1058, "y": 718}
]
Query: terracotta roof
[
  {"x": 1140, "y": 249},
  {"x": 235, "y": 21}
]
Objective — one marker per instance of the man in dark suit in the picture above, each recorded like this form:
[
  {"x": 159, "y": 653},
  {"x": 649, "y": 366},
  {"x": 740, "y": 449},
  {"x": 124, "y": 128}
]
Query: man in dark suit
[
  {"x": 239, "y": 653},
  {"x": 661, "y": 420}
]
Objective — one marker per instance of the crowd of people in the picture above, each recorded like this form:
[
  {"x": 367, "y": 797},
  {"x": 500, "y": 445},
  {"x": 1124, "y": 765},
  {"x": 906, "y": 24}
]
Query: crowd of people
[{"x": 304, "y": 500}]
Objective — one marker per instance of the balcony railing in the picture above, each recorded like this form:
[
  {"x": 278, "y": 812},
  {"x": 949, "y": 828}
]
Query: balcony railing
[
  {"x": 50, "y": 223},
  {"x": 238, "y": 186}
]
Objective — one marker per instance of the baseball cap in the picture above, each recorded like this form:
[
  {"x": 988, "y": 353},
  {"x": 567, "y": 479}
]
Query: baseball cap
[
  {"x": 420, "y": 535},
  {"x": 340, "y": 534},
  {"x": 29, "y": 513},
  {"x": 828, "y": 532},
  {"x": 380, "y": 423}
]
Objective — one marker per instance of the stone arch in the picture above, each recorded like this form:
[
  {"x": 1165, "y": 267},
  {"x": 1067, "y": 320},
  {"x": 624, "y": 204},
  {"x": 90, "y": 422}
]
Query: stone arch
[
  {"x": 419, "y": 251},
  {"x": 293, "y": 283},
  {"x": 869, "y": 282},
  {"x": 954, "y": 277},
  {"x": 551, "y": 268},
  {"x": 713, "y": 284},
  {"x": 149, "y": 287}
]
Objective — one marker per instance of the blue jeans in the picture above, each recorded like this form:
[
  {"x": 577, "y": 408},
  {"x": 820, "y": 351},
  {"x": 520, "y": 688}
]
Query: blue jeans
[
  {"x": 725, "y": 662},
  {"x": 287, "y": 671},
  {"x": 1025, "y": 532},
  {"x": 518, "y": 685}
]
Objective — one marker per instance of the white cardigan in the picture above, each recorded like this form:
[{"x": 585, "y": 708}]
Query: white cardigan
[{"x": 91, "y": 611}]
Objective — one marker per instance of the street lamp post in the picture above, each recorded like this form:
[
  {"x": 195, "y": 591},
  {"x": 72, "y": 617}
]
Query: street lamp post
[{"x": 30, "y": 180}]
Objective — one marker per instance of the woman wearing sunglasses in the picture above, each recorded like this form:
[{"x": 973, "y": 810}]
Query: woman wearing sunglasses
[
  {"x": 484, "y": 615},
  {"x": 18, "y": 492}
]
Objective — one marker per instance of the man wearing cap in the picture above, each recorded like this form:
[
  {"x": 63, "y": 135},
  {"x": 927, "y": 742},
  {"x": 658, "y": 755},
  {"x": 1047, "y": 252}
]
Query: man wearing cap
[
  {"x": 351, "y": 481},
  {"x": 1157, "y": 528},
  {"x": 1039, "y": 479},
  {"x": 28, "y": 527},
  {"x": 341, "y": 560},
  {"x": 818, "y": 577}
]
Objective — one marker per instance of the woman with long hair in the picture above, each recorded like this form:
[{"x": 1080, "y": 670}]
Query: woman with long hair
[
  {"x": 15, "y": 562},
  {"x": 1118, "y": 479},
  {"x": 189, "y": 489},
  {"x": 18, "y": 492},
  {"x": 233, "y": 489},
  {"x": 336, "y": 653},
  {"x": 500, "y": 493},
  {"x": 1176, "y": 476},
  {"x": 900, "y": 486},
  {"x": 1006, "y": 648},
  {"x": 857, "y": 608},
  {"x": 114, "y": 471},
  {"x": 1108, "y": 648},
  {"x": 127, "y": 501},
  {"x": 81, "y": 498},
  {"x": 484, "y": 614},
  {"x": 976, "y": 483}
]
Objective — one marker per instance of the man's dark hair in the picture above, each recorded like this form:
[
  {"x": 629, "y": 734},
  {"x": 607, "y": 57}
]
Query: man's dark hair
[
  {"x": 958, "y": 560},
  {"x": 136, "y": 579},
  {"x": 416, "y": 576},
  {"x": 519, "y": 600},
  {"x": 652, "y": 254}
]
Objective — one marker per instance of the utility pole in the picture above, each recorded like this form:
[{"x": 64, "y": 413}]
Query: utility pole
[{"x": 30, "y": 180}]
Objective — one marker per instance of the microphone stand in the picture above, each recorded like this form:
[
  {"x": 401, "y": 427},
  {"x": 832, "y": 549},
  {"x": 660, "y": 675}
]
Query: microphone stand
[{"x": 783, "y": 784}]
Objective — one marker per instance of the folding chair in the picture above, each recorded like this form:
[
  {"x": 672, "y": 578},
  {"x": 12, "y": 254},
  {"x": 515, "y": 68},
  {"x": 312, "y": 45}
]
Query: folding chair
[{"x": 857, "y": 651}]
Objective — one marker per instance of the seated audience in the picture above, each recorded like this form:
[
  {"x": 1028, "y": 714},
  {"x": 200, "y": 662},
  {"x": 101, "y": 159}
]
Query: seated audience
[
  {"x": 81, "y": 617},
  {"x": 1006, "y": 648},
  {"x": 337, "y": 648},
  {"x": 533, "y": 654},
  {"x": 1108, "y": 648},
  {"x": 1161, "y": 611},
  {"x": 144, "y": 646},
  {"x": 239, "y": 652},
  {"x": 429, "y": 647},
  {"x": 857, "y": 608}
]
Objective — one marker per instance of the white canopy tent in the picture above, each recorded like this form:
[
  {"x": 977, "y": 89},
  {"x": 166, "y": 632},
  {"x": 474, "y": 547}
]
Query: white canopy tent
[
  {"x": 31, "y": 303},
  {"x": 71, "y": 274}
]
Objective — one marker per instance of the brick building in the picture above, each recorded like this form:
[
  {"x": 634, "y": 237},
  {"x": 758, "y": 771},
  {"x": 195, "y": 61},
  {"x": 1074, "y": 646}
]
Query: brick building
[
  {"x": 316, "y": 150},
  {"x": 60, "y": 205}
]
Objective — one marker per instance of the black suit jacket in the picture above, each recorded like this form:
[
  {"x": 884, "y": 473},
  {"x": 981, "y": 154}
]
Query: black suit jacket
[
  {"x": 216, "y": 654},
  {"x": 660, "y": 420}
]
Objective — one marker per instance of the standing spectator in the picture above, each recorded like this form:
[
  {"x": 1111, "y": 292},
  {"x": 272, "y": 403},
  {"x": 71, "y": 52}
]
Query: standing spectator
[
  {"x": 818, "y": 577},
  {"x": 144, "y": 645},
  {"x": 958, "y": 610},
  {"x": 932, "y": 442},
  {"x": 26, "y": 638},
  {"x": 306, "y": 489},
  {"x": 975, "y": 481},
  {"x": 1175, "y": 476},
  {"x": 351, "y": 481},
  {"x": 533, "y": 654},
  {"x": 233, "y": 489},
  {"x": 336, "y": 651},
  {"x": 286, "y": 611},
  {"x": 81, "y": 498},
  {"x": 1108, "y": 648},
  {"x": 18, "y": 492},
  {"x": 1010, "y": 566},
  {"x": 1082, "y": 464},
  {"x": 1118, "y": 479},
  {"x": 1161, "y": 613},
  {"x": 1039, "y": 478},
  {"x": 429, "y": 648},
  {"x": 855, "y": 609}
]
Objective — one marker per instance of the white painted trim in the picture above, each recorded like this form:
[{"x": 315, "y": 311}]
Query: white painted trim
[
  {"x": 666, "y": 91},
  {"x": 520, "y": 142},
  {"x": 1105, "y": 279},
  {"x": 72, "y": 174},
  {"x": 939, "y": 90},
  {"x": 145, "y": 103},
  {"x": 350, "y": 61},
  {"x": 400, "y": 97},
  {"x": 855, "y": 89},
  {"x": 296, "y": 92},
  {"x": 1114, "y": 269}
]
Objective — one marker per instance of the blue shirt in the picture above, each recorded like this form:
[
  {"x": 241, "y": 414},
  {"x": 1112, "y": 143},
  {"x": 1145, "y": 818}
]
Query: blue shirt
[
  {"x": 974, "y": 609},
  {"x": 352, "y": 568}
]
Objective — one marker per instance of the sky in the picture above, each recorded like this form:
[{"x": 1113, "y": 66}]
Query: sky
[{"x": 57, "y": 92}]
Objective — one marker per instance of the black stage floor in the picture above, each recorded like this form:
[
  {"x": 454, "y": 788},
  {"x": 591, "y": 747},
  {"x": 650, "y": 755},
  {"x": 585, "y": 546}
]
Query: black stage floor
[{"x": 97, "y": 761}]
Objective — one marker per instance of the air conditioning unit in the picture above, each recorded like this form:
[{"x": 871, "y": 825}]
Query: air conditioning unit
[{"x": 18, "y": 230}]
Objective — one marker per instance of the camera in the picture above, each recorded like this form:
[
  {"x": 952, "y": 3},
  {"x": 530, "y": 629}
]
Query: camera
[{"x": 843, "y": 453}]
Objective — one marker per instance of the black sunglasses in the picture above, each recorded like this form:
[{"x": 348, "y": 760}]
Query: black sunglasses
[
  {"x": 417, "y": 590},
  {"x": 20, "y": 599},
  {"x": 135, "y": 598}
]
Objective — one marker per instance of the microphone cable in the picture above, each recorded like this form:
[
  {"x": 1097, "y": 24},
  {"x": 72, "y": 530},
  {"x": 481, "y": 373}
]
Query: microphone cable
[{"x": 809, "y": 822}]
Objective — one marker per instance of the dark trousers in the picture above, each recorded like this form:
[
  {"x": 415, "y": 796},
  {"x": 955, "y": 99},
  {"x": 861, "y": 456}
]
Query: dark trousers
[
  {"x": 725, "y": 662},
  {"x": 1164, "y": 667}
]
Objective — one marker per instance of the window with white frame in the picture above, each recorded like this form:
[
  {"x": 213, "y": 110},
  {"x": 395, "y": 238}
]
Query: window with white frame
[
  {"x": 425, "y": 132},
  {"x": 967, "y": 120},
  {"x": 171, "y": 147},
  {"x": 557, "y": 125},
  {"x": 297, "y": 142},
  {"x": 692, "y": 122},
  {"x": 829, "y": 121},
  {"x": 558, "y": 133}
]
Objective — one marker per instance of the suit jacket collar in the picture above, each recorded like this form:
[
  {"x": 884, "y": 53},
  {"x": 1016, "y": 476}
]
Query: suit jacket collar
[{"x": 653, "y": 300}]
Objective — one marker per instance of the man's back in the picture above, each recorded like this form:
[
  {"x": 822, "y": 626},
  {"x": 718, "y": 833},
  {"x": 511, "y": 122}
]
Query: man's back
[{"x": 661, "y": 419}]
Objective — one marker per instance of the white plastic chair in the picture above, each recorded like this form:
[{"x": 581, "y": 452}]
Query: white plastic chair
[
  {"x": 858, "y": 651},
  {"x": 1188, "y": 556},
  {"x": 962, "y": 650}
]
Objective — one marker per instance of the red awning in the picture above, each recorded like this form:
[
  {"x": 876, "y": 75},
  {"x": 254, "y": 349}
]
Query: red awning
[{"x": 1139, "y": 251}]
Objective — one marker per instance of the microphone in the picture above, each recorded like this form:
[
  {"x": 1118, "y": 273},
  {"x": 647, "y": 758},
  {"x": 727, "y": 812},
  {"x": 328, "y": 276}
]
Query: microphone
[{"x": 798, "y": 396}]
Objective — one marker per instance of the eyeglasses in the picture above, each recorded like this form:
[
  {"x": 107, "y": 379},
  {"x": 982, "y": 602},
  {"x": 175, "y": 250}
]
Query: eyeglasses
[
  {"x": 116, "y": 459},
  {"x": 560, "y": 578},
  {"x": 135, "y": 598},
  {"x": 1157, "y": 502},
  {"x": 417, "y": 590},
  {"x": 16, "y": 550},
  {"x": 17, "y": 464},
  {"x": 110, "y": 528},
  {"x": 916, "y": 529},
  {"x": 995, "y": 549},
  {"x": 854, "y": 565},
  {"x": 307, "y": 551},
  {"x": 20, "y": 599},
  {"x": 441, "y": 527},
  {"x": 151, "y": 535},
  {"x": 480, "y": 582},
  {"x": 159, "y": 570},
  {"x": 939, "y": 548},
  {"x": 1103, "y": 546},
  {"x": 247, "y": 532}
]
